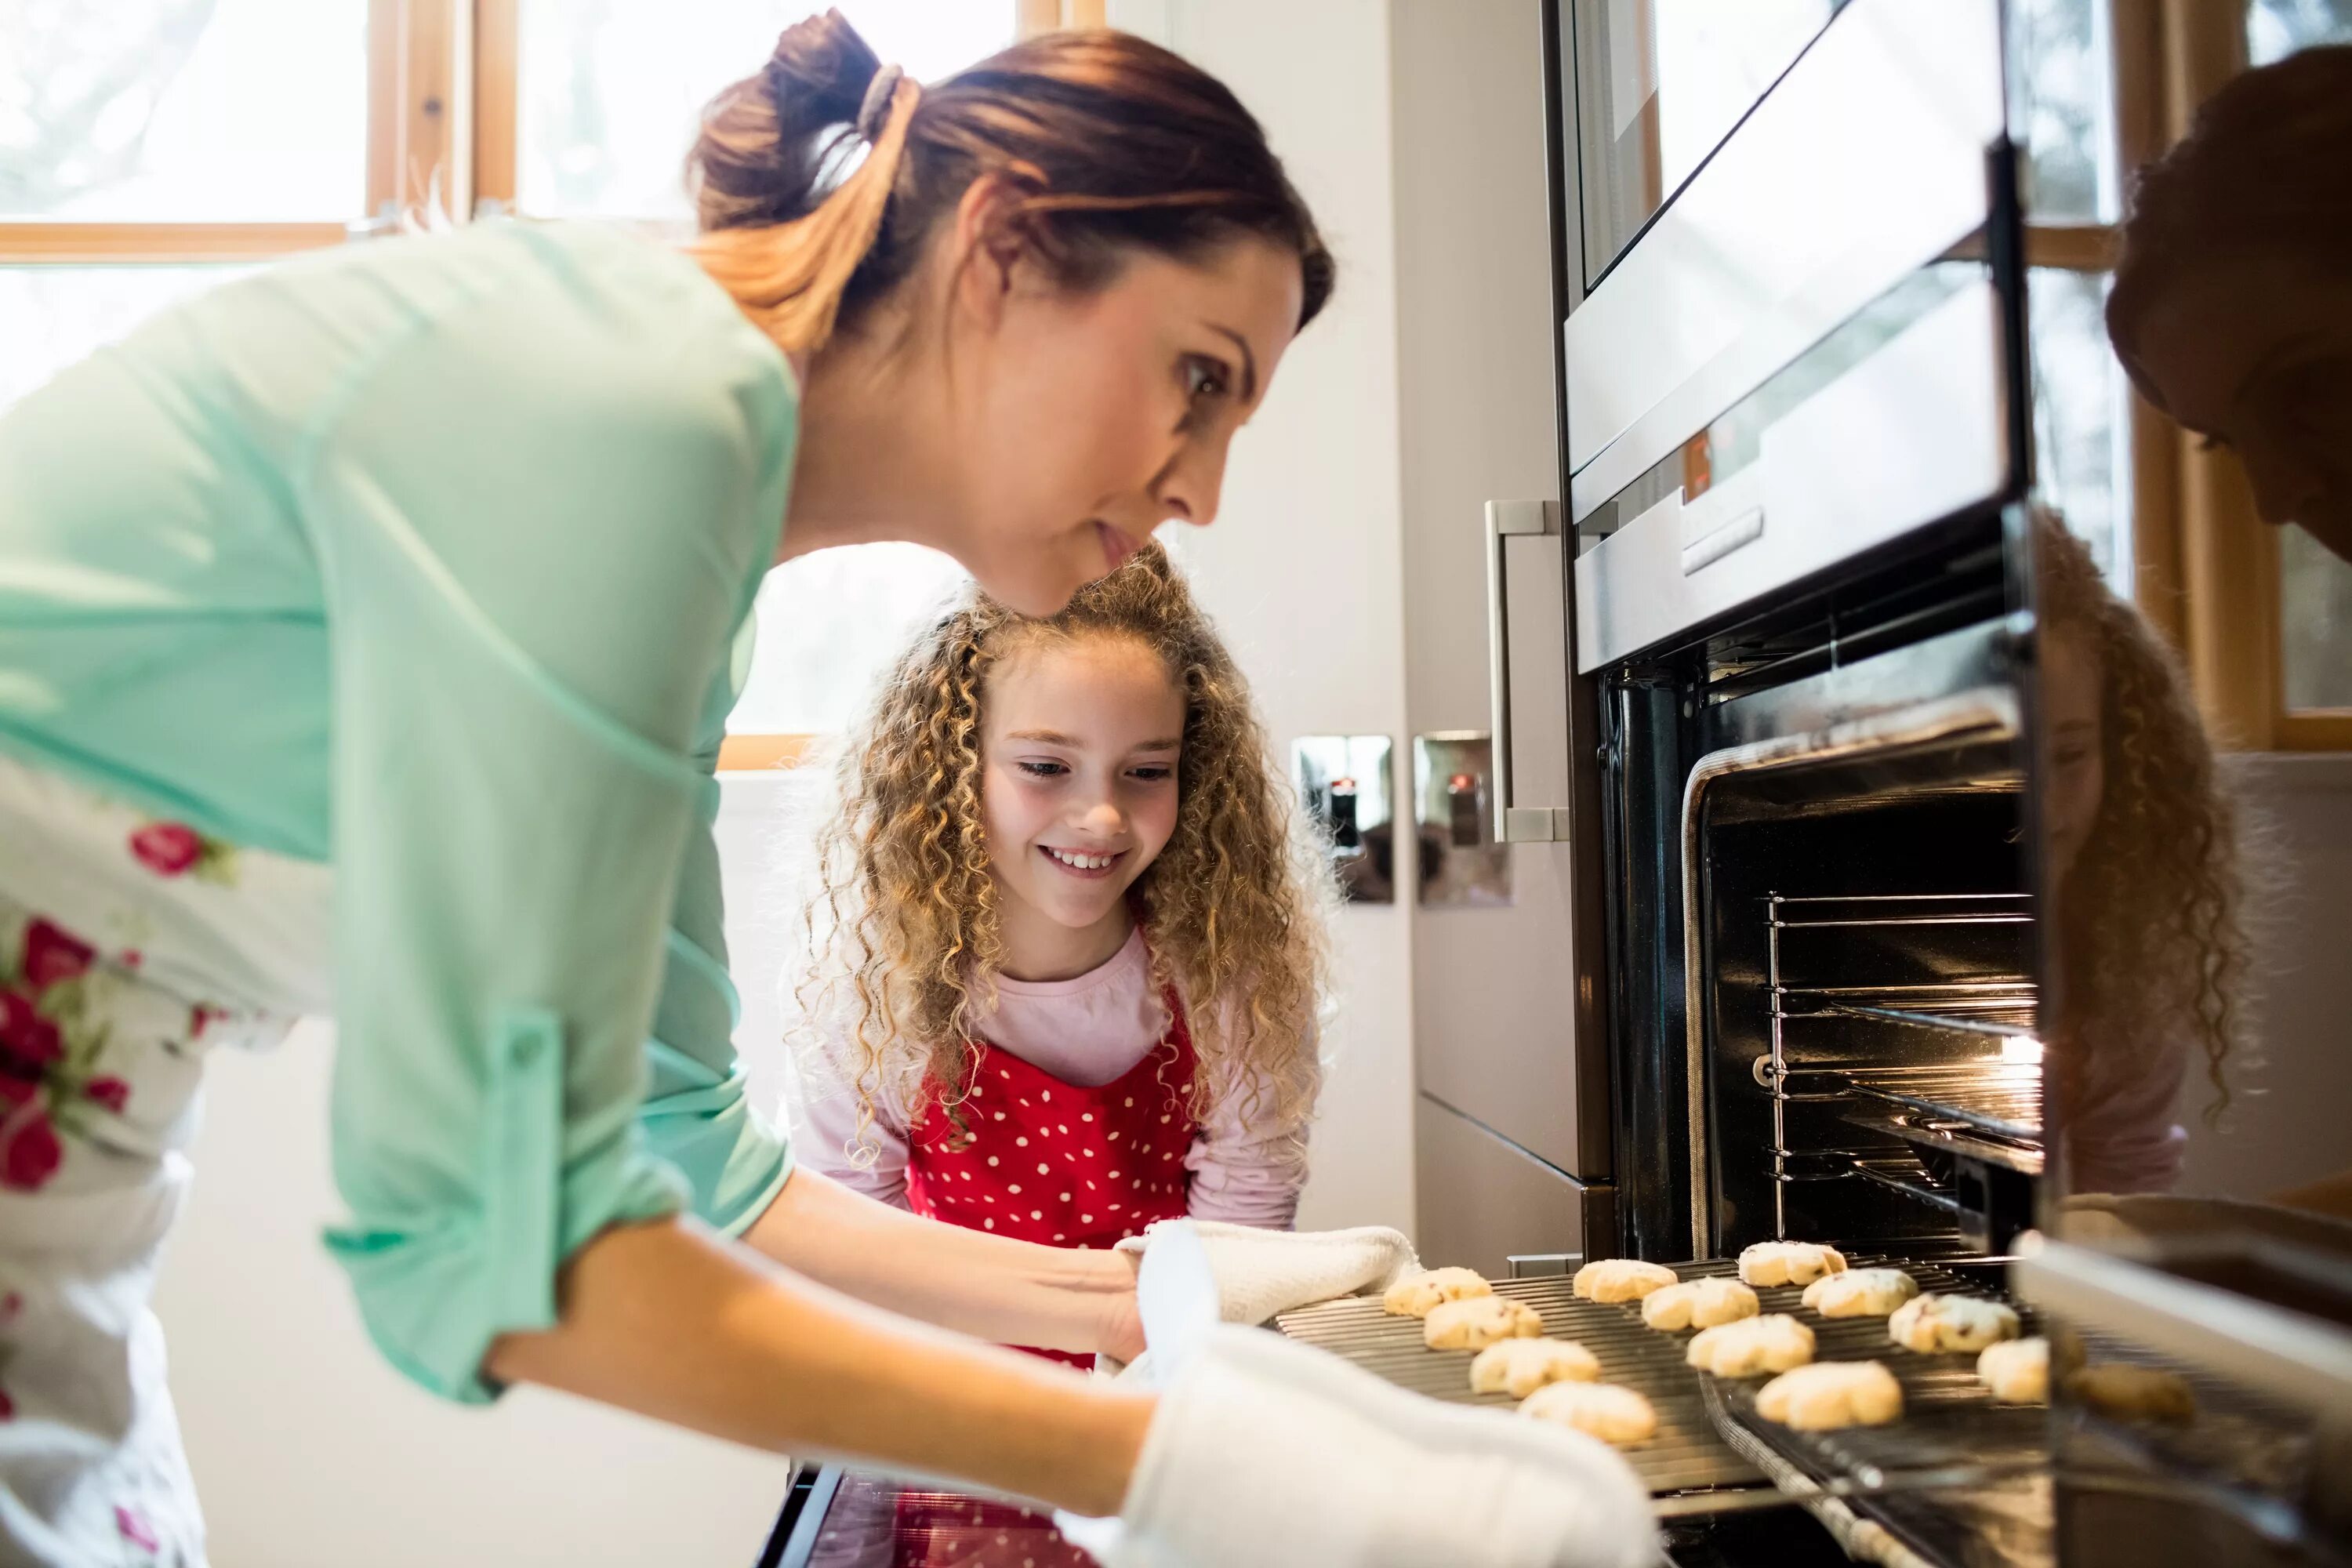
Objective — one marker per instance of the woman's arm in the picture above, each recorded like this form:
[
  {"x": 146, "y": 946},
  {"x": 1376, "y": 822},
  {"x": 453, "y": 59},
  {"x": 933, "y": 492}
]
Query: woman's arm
[
  {"x": 991, "y": 1287},
  {"x": 670, "y": 1322}
]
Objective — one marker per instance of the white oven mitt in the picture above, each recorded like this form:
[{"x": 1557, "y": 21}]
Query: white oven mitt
[
  {"x": 1266, "y": 1454},
  {"x": 1262, "y": 1272}
]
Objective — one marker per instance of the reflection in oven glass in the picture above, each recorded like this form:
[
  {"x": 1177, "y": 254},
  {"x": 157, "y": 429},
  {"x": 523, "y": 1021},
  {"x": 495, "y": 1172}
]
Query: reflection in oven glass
[
  {"x": 1659, "y": 84},
  {"x": 875, "y": 1523}
]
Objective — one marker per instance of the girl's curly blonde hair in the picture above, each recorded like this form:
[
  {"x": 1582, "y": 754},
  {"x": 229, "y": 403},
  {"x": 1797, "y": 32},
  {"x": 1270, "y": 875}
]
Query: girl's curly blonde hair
[
  {"x": 2151, "y": 926},
  {"x": 904, "y": 932}
]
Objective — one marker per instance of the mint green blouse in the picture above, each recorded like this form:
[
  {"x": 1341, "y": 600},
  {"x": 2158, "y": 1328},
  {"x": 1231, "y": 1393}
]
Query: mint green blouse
[{"x": 433, "y": 560}]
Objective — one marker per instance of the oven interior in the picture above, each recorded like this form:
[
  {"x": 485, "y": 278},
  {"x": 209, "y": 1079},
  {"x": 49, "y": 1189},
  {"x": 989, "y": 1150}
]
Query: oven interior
[{"x": 1867, "y": 997}]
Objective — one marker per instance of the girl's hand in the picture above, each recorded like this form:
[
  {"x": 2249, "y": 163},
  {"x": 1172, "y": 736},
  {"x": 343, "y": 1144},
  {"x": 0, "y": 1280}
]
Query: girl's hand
[{"x": 1262, "y": 1272}]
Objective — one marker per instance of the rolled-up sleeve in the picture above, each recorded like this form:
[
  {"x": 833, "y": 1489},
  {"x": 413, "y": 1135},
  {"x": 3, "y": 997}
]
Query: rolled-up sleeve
[{"x": 526, "y": 614}]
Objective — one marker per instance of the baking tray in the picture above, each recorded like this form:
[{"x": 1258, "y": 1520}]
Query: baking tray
[{"x": 1687, "y": 1454}]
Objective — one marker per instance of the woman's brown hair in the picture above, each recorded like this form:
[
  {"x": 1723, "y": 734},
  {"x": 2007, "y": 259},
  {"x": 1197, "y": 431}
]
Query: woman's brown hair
[
  {"x": 1106, "y": 144},
  {"x": 903, "y": 931},
  {"x": 2262, "y": 169}
]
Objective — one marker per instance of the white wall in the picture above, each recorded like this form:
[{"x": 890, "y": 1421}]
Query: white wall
[
  {"x": 308, "y": 1450},
  {"x": 1304, "y": 569}
]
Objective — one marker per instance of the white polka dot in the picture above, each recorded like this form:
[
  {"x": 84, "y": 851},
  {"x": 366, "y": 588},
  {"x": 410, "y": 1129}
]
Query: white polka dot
[
  {"x": 1130, "y": 1100},
  {"x": 1086, "y": 1116},
  {"x": 1041, "y": 1168},
  {"x": 1000, "y": 1116},
  {"x": 1059, "y": 1237},
  {"x": 1014, "y": 1188},
  {"x": 1061, "y": 1128},
  {"x": 967, "y": 1175},
  {"x": 988, "y": 1197},
  {"x": 1090, "y": 1154},
  {"x": 1167, "y": 1156},
  {"x": 1044, "y": 1094},
  {"x": 1002, "y": 1074},
  {"x": 1022, "y": 1142},
  {"x": 1114, "y": 1206},
  {"x": 1135, "y": 1183},
  {"x": 1036, "y": 1214},
  {"x": 1163, "y": 1121},
  {"x": 1086, "y": 1218},
  {"x": 1188, "y": 1089},
  {"x": 1066, "y": 1197},
  {"x": 1090, "y": 1186},
  {"x": 1024, "y": 1103},
  {"x": 991, "y": 1159},
  {"x": 1114, "y": 1175},
  {"x": 1114, "y": 1137},
  {"x": 989, "y": 1223}
]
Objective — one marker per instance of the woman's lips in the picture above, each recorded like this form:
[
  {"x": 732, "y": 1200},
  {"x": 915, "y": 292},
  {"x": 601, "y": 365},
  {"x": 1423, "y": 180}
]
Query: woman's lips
[{"x": 1118, "y": 548}]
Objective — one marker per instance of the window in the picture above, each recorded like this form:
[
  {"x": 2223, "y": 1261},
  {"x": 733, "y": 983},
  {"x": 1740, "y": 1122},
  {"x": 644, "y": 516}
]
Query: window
[
  {"x": 150, "y": 149},
  {"x": 2263, "y": 616},
  {"x": 2062, "y": 64}
]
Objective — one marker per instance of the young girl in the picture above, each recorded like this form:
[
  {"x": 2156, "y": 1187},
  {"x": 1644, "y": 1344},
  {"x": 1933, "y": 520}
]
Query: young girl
[
  {"x": 2152, "y": 952},
  {"x": 1069, "y": 946}
]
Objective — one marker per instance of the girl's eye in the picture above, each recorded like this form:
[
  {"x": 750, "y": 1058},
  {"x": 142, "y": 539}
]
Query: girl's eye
[
  {"x": 1156, "y": 774},
  {"x": 1042, "y": 770}
]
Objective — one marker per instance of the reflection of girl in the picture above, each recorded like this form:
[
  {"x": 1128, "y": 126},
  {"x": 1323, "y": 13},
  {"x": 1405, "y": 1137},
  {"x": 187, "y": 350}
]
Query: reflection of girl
[
  {"x": 1121, "y": 894},
  {"x": 2143, "y": 846}
]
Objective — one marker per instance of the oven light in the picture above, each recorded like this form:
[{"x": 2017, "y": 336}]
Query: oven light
[{"x": 2020, "y": 1049}]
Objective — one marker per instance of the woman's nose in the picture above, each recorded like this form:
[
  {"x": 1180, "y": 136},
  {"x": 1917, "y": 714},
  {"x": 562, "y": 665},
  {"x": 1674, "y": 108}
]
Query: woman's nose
[{"x": 1194, "y": 483}]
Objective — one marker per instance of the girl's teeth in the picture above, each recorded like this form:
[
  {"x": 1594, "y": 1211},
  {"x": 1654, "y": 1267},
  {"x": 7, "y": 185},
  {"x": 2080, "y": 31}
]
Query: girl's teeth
[{"x": 1080, "y": 862}]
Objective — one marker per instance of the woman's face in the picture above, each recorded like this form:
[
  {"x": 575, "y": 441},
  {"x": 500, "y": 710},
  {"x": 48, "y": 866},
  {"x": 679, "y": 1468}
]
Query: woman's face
[
  {"x": 2254, "y": 352},
  {"x": 1081, "y": 421},
  {"x": 2073, "y": 692},
  {"x": 1079, "y": 743}
]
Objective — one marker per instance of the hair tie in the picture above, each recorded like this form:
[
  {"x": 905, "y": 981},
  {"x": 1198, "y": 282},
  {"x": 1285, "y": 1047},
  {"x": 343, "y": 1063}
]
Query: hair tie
[{"x": 875, "y": 110}]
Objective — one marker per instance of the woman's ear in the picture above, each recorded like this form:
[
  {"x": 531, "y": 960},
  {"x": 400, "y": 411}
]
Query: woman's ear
[{"x": 995, "y": 250}]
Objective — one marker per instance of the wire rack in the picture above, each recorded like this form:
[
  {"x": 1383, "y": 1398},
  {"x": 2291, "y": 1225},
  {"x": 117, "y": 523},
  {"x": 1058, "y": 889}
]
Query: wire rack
[
  {"x": 1996, "y": 1095},
  {"x": 1688, "y": 1454}
]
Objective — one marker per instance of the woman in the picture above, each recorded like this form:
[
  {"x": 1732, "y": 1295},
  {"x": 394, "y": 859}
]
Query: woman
[
  {"x": 2232, "y": 303},
  {"x": 408, "y": 583}
]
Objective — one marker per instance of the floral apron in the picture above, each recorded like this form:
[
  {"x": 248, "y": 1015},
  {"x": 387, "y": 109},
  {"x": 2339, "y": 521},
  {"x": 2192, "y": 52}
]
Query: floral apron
[
  {"x": 1029, "y": 1156},
  {"x": 129, "y": 948}
]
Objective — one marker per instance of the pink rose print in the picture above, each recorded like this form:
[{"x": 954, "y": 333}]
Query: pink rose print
[
  {"x": 109, "y": 1092},
  {"x": 136, "y": 1530},
  {"x": 31, "y": 1153},
  {"x": 29, "y": 1040},
  {"x": 51, "y": 954},
  {"x": 167, "y": 848}
]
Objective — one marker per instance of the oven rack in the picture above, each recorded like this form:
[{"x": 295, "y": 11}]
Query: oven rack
[
  {"x": 1987, "y": 1107},
  {"x": 2239, "y": 1455}
]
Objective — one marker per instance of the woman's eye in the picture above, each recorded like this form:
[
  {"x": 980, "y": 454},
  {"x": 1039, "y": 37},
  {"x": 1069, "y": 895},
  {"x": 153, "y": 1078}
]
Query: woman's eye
[
  {"x": 1203, "y": 378},
  {"x": 1042, "y": 770}
]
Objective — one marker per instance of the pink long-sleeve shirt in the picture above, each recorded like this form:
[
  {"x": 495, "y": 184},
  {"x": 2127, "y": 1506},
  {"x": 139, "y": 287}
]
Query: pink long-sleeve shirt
[{"x": 1087, "y": 1031}]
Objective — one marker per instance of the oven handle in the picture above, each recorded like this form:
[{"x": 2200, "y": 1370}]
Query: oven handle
[{"x": 1509, "y": 519}]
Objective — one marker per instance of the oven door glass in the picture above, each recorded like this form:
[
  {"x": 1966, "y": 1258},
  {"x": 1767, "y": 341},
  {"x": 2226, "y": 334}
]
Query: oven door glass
[{"x": 1659, "y": 84}]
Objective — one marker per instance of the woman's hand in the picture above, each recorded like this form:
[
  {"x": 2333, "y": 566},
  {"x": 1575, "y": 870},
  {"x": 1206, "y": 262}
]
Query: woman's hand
[{"x": 991, "y": 1287}]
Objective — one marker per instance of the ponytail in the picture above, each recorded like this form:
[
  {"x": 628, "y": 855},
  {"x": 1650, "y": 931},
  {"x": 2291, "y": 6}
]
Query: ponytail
[
  {"x": 1108, "y": 143},
  {"x": 783, "y": 231}
]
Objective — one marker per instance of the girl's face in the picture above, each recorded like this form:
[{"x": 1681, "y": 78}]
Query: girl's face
[
  {"x": 2072, "y": 697},
  {"x": 1082, "y": 421},
  {"x": 1079, "y": 743}
]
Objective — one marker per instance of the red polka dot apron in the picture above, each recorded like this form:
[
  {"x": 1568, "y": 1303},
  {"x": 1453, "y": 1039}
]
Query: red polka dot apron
[
  {"x": 1029, "y": 1156},
  {"x": 1032, "y": 1157}
]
